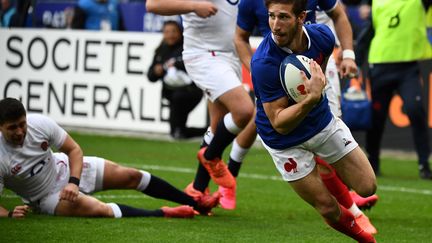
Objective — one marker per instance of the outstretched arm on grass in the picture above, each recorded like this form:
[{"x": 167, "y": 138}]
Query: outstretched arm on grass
[{"x": 17, "y": 212}]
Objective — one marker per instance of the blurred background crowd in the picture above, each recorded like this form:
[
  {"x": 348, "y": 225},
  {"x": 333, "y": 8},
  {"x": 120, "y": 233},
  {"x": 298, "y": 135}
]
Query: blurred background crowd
[{"x": 125, "y": 15}]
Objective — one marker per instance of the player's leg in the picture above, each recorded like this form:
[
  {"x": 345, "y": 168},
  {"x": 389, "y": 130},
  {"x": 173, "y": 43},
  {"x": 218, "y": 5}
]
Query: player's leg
[
  {"x": 328, "y": 175},
  {"x": 410, "y": 90},
  {"x": 240, "y": 108},
  {"x": 202, "y": 177},
  {"x": 313, "y": 191},
  {"x": 339, "y": 148},
  {"x": 216, "y": 82},
  {"x": 116, "y": 176},
  {"x": 240, "y": 147},
  {"x": 88, "y": 206},
  {"x": 237, "y": 101},
  {"x": 226, "y": 93},
  {"x": 363, "y": 181},
  {"x": 342, "y": 194},
  {"x": 297, "y": 166}
]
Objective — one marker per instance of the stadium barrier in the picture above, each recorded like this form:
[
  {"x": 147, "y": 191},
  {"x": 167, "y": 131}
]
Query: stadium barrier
[
  {"x": 87, "y": 79},
  {"x": 98, "y": 80}
]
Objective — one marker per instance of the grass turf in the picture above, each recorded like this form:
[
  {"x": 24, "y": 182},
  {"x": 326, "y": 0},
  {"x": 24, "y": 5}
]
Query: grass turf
[{"x": 267, "y": 209}]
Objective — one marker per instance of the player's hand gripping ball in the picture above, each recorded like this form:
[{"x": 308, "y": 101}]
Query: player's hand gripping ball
[{"x": 290, "y": 77}]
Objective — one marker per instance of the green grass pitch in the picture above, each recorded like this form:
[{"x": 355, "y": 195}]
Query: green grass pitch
[{"x": 267, "y": 210}]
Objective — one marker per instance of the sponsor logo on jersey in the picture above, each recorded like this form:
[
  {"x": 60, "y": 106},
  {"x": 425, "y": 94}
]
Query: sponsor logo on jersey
[{"x": 346, "y": 142}]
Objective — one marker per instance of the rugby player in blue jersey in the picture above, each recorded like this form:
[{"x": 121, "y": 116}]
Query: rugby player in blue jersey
[
  {"x": 253, "y": 16},
  {"x": 293, "y": 133}
]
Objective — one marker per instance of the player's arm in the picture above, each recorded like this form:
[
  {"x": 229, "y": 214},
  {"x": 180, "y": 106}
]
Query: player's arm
[
  {"x": 75, "y": 154},
  {"x": 286, "y": 118},
  {"x": 203, "y": 9},
  {"x": 244, "y": 49},
  {"x": 343, "y": 29},
  {"x": 17, "y": 212}
]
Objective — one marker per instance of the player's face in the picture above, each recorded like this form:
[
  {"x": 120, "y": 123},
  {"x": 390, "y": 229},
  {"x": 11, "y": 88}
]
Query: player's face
[
  {"x": 283, "y": 23},
  {"x": 14, "y": 132}
]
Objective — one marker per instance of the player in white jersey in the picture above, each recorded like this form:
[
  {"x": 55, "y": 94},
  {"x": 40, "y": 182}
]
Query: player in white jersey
[
  {"x": 211, "y": 60},
  {"x": 59, "y": 183}
]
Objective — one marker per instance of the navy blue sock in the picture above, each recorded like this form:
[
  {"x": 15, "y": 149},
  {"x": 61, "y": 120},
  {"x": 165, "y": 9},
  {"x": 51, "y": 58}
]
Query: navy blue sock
[
  {"x": 128, "y": 211},
  {"x": 161, "y": 189},
  {"x": 234, "y": 167},
  {"x": 202, "y": 177},
  {"x": 222, "y": 138}
]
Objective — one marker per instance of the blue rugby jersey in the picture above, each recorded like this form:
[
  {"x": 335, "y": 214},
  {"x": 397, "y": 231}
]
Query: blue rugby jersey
[{"x": 267, "y": 85}]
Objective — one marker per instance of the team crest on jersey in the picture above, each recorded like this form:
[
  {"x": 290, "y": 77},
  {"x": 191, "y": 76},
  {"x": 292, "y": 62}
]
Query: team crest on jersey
[
  {"x": 16, "y": 169},
  {"x": 44, "y": 146}
]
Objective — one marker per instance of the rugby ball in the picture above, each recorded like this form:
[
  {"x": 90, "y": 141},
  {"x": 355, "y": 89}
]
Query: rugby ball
[{"x": 290, "y": 77}]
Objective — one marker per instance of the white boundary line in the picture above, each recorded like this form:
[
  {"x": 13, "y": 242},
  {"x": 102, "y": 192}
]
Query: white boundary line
[
  {"x": 242, "y": 175},
  {"x": 272, "y": 178}
]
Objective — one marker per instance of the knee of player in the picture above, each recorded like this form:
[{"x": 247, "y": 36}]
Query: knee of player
[
  {"x": 103, "y": 210},
  {"x": 243, "y": 117},
  {"x": 367, "y": 188},
  {"x": 133, "y": 178}
]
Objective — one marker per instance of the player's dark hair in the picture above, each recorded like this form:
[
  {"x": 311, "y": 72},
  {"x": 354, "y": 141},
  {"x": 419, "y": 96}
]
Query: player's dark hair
[
  {"x": 173, "y": 22},
  {"x": 298, "y": 5},
  {"x": 11, "y": 110}
]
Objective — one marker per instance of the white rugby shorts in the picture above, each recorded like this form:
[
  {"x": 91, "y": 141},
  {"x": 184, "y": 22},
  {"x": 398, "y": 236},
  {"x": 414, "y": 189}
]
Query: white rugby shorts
[
  {"x": 214, "y": 72},
  {"x": 91, "y": 181},
  {"x": 332, "y": 88},
  {"x": 331, "y": 144}
]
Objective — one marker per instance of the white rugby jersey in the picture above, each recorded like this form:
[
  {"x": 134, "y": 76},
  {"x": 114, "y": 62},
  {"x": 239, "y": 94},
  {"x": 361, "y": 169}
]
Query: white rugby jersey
[
  {"x": 323, "y": 18},
  {"x": 215, "y": 33},
  {"x": 30, "y": 170}
]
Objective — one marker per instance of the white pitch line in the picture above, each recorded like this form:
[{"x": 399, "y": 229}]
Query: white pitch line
[
  {"x": 243, "y": 175},
  {"x": 405, "y": 189},
  {"x": 273, "y": 178}
]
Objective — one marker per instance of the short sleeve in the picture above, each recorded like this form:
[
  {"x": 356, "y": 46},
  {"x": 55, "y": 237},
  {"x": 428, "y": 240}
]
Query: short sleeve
[
  {"x": 327, "y": 5},
  {"x": 266, "y": 80},
  {"x": 245, "y": 16},
  {"x": 55, "y": 134}
]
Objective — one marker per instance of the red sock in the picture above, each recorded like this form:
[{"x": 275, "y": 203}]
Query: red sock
[
  {"x": 335, "y": 185},
  {"x": 348, "y": 226}
]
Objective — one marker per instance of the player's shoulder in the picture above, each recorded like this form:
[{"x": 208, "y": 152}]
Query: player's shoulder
[
  {"x": 319, "y": 29},
  {"x": 36, "y": 118},
  {"x": 39, "y": 121},
  {"x": 322, "y": 33},
  {"x": 265, "y": 50}
]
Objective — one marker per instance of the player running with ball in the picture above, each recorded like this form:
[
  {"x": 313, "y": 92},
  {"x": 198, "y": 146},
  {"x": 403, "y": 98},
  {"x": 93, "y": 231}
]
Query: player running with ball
[{"x": 299, "y": 131}]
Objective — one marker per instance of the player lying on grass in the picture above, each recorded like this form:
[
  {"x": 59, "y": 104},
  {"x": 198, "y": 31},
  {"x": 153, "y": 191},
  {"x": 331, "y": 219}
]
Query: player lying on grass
[{"x": 60, "y": 183}]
